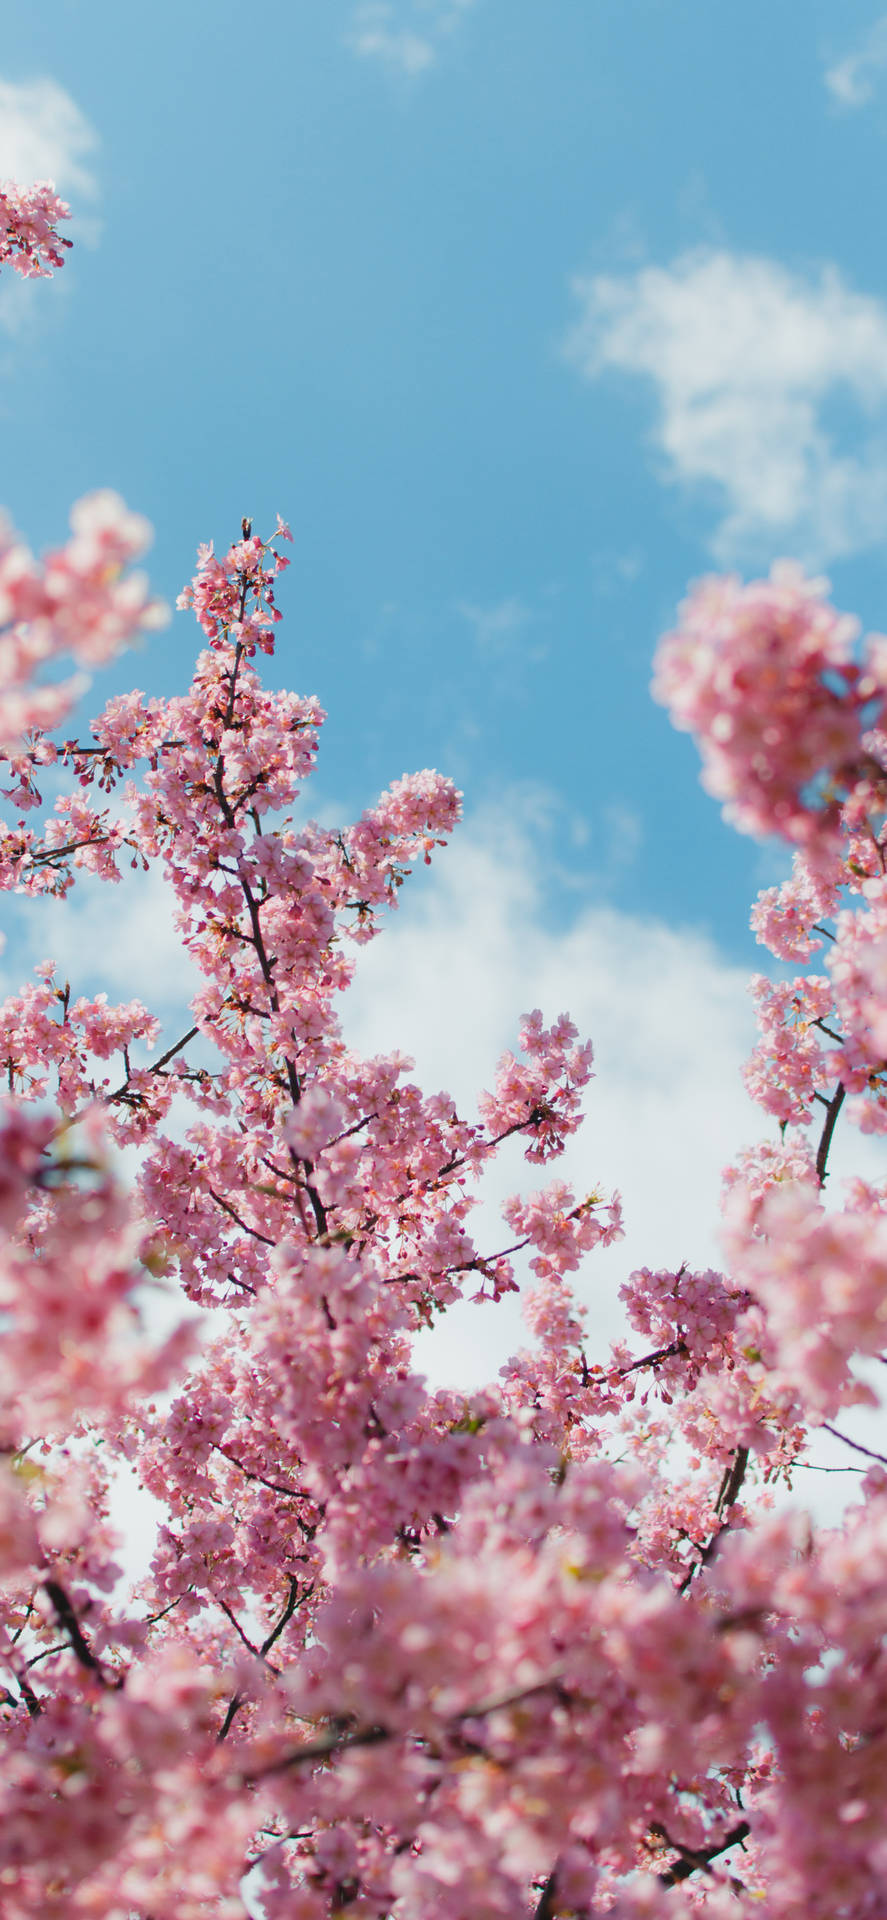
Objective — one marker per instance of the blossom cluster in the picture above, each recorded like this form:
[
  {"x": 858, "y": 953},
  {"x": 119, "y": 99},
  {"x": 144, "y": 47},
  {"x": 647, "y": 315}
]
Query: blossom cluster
[
  {"x": 764, "y": 676},
  {"x": 536, "y": 1651},
  {"x": 29, "y": 220}
]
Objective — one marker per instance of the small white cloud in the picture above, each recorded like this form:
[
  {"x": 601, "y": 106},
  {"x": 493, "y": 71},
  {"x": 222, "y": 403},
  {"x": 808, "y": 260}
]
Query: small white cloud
[
  {"x": 626, "y": 834},
  {"x": 851, "y": 81},
  {"x": 498, "y": 628},
  {"x": 405, "y": 36},
  {"x": 744, "y": 356},
  {"x": 45, "y": 136},
  {"x": 614, "y": 571}
]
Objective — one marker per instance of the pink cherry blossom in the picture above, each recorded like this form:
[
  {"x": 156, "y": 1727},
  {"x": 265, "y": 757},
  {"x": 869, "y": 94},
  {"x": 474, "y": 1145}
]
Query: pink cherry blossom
[
  {"x": 765, "y": 678},
  {"x": 29, "y": 236},
  {"x": 537, "y": 1651}
]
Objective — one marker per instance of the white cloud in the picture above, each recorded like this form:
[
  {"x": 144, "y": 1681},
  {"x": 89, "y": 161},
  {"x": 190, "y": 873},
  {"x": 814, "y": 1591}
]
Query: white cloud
[
  {"x": 745, "y": 356},
  {"x": 851, "y": 81},
  {"x": 406, "y": 36},
  {"x": 45, "y": 136},
  {"x": 508, "y": 633},
  {"x": 497, "y": 627},
  {"x": 115, "y": 938}
]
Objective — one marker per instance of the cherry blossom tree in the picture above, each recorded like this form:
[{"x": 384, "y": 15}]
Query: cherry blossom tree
[{"x": 548, "y": 1649}]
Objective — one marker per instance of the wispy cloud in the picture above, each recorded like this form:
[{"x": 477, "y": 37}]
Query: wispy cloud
[
  {"x": 506, "y": 630},
  {"x": 852, "y": 80},
  {"x": 745, "y": 356},
  {"x": 117, "y": 939},
  {"x": 45, "y": 136},
  {"x": 406, "y": 36}
]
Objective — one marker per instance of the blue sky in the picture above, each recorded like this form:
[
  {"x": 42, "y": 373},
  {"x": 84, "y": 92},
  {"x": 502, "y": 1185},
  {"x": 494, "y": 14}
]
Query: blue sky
[
  {"x": 524, "y": 313},
  {"x": 392, "y": 271}
]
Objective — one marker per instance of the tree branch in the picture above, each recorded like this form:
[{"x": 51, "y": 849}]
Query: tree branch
[
  {"x": 295, "y": 1600},
  {"x": 822, "y": 1152},
  {"x": 545, "y": 1909},
  {"x": 697, "y": 1859},
  {"x": 340, "y": 1736},
  {"x": 77, "y": 1641},
  {"x": 855, "y": 1444},
  {"x": 728, "y": 1491}
]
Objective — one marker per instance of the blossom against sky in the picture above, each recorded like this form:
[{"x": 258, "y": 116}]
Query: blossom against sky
[{"x": 523, "y": 317}]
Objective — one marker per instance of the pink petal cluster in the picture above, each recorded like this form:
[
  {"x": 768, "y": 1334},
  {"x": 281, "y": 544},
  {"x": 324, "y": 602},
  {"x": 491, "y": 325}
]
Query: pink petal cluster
[
  {"x": 763, "y": 675},
  {"x": 542, "y": 1091},
  {"x": 822, "y": 1280},
  {"x": 29, "y": 236},
  {"x": 785, "y": 918},
  {"x": 788, "y": 1066},
  {"x": 80, "y": 601}
]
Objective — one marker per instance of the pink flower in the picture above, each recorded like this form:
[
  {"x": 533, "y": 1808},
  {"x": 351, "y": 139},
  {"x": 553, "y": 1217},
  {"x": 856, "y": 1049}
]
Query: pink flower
[{"x": 763, "y": 676}]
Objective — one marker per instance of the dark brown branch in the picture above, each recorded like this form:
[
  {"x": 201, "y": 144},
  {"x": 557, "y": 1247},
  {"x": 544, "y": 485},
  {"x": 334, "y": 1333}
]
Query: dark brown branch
[
  {"x": 158, "y": 1065},
  {"x": 336, "y": 1741},
  {"x": 253, "y": 909},
  {"x": 295, "y": 1600},
  {"x": 77, "y": 1641},
  {"x": 234, "y": 1705},
  {"x": 48, "y": 854},
  {"x": 154, "y": 1066},
  {"x": 480, "y": 1263},
  {"x": 237, "y": 1282},
  {"x": 46, "y": 1653},
  {"x": 30, "y": 1698},
  {"x": 545, "y": 1909},
  {"x": 822, "y": 1152},
  {"x": 698, "y": 1859},
  {"x": 731, "y": 1483},
  {"x": 728, "y": 1491},
  {"x": 825, "y": 1028},
  {"x": 231, "y": 1615},
  {"x": 652, "y": 1359}
]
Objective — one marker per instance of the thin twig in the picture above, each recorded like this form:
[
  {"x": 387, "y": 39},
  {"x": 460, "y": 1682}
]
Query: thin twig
[
  {"x": 232, "y": 1211},
  {"x": 855, "y": 1444}
]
